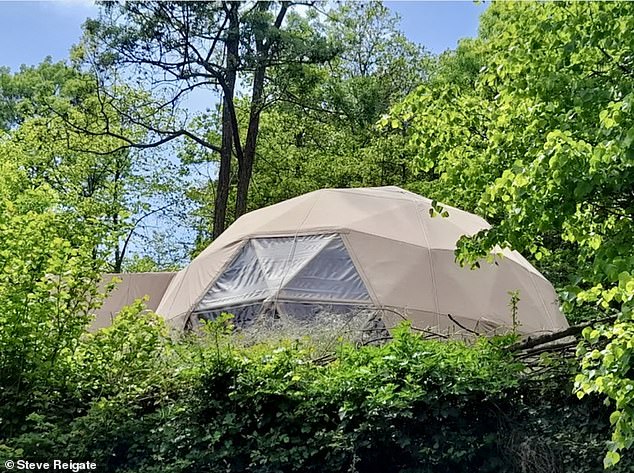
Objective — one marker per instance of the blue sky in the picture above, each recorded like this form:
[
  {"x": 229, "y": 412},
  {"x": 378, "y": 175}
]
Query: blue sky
[
  {"x": 438, "y": 25},
  {"x": 30, "y": 31}
]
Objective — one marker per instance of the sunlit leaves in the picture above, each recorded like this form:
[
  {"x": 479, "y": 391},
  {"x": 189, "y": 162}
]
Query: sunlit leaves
[
  {"x": 606, "y": 360},
  {"x": 56, "y": 135},
  {"x": 48, "y": 276},
  {"x": 541, "y": 144}
]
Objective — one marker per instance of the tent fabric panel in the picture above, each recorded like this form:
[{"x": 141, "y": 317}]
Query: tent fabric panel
[
  {"x": 242, "y": 280},
  {"x": 430, "y": 281},
  {"x": 444, "y": 232},
  {"x": 550, "y": 302},
  {"x": 362, "y": 211},
  {"x": 133, "y": 286},
  {"x": 397, "y": 272},
  {"x": 330, "y": 275},
  {"x": 483, "y": 293},
  {"x": 190, "y": 284},
  {"x": 516, "y": 257}
]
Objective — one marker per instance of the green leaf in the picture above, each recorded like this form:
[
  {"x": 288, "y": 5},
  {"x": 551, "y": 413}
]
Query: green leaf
[{"x": 611, "y": 459}]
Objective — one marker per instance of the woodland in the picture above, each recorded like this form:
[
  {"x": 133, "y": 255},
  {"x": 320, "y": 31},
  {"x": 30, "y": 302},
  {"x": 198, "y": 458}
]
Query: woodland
[{"x": 169, "y": 120}]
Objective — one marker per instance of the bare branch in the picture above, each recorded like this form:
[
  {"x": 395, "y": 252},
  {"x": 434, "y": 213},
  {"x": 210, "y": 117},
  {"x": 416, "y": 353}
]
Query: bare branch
[
  {"x": 136, "y": 223},
  {"x": 552, "y": 337}
]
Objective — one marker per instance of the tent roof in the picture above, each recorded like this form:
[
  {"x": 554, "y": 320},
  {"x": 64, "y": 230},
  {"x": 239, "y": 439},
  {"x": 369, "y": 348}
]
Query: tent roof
[{"x": 389, "y": 212}]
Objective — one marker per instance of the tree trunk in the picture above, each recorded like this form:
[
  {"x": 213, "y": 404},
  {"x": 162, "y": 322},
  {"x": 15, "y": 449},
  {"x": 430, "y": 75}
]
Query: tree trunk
[
  {"x": 232, "y": 44},
  {"x": 116, "y": 179},
  {"x": 245, "y": 165}
]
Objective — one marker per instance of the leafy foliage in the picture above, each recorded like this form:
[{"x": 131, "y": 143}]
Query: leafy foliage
[
  {"x": 48, "y": 289},
  {"x": 113, "y": 191},
  {"x": 608, "y": 370},
  {"x": 542, "y": 144},
  {"x": 147, "y": 404}
]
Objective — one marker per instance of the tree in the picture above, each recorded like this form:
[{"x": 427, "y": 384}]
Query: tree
[
  {"x": 336, "y": 143},
  {"x": 112, "y": 191},
  {"x": 318, "y": 128},
  {"x": 18, "y": 91},
  {"x": 542, "y": 144},
  {"x": 48, "y": 291},
  {"x": 179, "y": 49}
]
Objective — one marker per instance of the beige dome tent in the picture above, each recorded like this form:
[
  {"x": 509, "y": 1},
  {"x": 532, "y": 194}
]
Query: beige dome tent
[{"x": 342, "y": 250}]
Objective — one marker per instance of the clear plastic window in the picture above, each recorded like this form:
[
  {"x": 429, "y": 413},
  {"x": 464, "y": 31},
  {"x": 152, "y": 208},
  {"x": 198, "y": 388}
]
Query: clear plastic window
[{"x": 310, "y": 267}]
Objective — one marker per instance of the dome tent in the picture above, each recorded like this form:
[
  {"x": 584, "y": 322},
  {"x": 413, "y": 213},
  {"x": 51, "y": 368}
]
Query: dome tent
[{"x": 339, "y": 250}]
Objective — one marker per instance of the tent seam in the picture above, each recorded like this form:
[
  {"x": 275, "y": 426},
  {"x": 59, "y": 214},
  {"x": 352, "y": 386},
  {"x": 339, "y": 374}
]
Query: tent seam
[
  {"x": 292, "y": 254},
  {"x": 302, "y": 266},
  {"x": 360, "y": 270},
  {"x": 431, "y": 263},
  {"x": 221, "y": 270}
]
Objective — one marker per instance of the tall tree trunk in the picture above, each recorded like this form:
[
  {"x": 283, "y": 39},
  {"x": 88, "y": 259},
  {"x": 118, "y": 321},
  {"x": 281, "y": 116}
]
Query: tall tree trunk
[
  {"x": 116, "y": 179},
  {"x": 245, "y": 165},
  {"x": 224, "y": 176},
  {"x": 232, "y": 44}
]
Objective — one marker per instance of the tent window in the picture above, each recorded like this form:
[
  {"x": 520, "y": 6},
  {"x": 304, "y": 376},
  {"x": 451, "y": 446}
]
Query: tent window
[
  {"x": 331, "y": 275},
  {"x": 309, "y": 267},
  {"x": 242, "y": 281},
  {"x": 244, "y": 316}
]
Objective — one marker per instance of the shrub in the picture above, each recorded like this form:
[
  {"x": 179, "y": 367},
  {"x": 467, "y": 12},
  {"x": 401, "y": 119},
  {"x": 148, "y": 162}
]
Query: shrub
[
  {"x": 47, "y": 294},
  {"x": 208, "y": 403}
]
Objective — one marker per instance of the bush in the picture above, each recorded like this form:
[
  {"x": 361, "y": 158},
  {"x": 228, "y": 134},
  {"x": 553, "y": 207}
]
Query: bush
[
  {"x": 145, "y": 403},
  {"x": 47, "y": 294}
]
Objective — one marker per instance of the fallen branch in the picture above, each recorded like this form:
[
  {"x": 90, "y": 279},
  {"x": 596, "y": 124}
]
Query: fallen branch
[
  {"x": 462, "y": 326},
  {"x": 560, "y": 347},
  {"x": 573, "y": 330}
]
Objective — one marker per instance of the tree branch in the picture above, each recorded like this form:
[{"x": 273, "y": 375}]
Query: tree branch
[{"x": 552, "y": 337}]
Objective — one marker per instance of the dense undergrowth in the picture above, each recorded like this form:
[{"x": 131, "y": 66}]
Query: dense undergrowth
[{"x": 131, "y": 399}]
